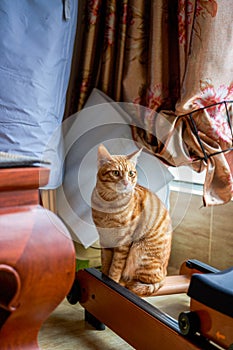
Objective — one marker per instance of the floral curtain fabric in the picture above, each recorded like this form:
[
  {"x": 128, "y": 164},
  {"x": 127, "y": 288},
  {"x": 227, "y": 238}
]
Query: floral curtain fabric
[{"x": 175, "y": 58}]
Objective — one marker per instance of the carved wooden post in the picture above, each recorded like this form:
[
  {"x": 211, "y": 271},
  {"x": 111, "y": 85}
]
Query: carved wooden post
[{"x": 37, "y": 258}]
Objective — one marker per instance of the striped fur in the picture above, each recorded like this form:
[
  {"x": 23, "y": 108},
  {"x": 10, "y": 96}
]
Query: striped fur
[{"x": 133, "y": 225}]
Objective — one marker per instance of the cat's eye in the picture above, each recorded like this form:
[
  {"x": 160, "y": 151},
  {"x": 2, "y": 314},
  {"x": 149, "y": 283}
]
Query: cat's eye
[
  {"x": 131, "y": 173},
  {"x": 115, "y": 172}
]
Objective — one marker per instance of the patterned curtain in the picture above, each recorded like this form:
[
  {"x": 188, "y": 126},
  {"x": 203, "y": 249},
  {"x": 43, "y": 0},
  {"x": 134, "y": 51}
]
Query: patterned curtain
[{"x": 175, "y": 58}]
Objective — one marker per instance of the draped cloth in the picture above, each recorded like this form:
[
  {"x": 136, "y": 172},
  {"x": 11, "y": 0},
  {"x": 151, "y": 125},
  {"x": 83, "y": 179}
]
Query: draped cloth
[
  {"x": 192, "y": 140},
  {"x": 175, "y": 58}
]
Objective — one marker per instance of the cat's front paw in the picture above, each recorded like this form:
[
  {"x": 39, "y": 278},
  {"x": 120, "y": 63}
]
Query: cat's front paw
[
  {"x": 122, "y": 282},
  {"x": 114, "y": 277},
  {"x": 126, "y": 278},
  {"x": 143, "y": 289}
]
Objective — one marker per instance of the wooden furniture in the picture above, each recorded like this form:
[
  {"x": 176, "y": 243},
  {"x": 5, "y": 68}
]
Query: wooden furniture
[
  {"x": 143, "y": 325},
  {"x": 37, "y": 258}
]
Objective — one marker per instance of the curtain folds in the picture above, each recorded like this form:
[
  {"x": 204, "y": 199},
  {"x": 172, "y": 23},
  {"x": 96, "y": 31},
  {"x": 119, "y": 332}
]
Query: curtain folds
[{"x": 175, "y": 58}]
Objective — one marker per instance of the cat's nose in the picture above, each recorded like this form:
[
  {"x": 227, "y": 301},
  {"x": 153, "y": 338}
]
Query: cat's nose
[{"x": 125, "y": 182}]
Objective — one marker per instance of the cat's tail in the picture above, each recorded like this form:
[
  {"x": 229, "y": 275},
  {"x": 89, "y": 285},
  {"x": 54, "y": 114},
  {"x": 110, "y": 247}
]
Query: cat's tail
[{"x": 143, "y": 289}]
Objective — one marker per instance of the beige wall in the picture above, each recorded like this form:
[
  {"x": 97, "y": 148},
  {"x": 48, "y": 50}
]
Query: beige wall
[{"x": 200, "y": 233}]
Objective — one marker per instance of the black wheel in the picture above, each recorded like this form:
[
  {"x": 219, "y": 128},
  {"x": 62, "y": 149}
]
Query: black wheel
[
  {"x": 74, "y": 294},
  {"x": 94, "y": 322},
  {"x": 189, "y": 323}
]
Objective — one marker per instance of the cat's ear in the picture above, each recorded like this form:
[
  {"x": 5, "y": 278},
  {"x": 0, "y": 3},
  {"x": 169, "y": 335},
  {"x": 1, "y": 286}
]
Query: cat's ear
[
  {"x": 134, "y": 156},
  {"x": 103, "y": 155}
]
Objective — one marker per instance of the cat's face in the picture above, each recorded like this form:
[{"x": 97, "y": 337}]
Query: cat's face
[
  {"x": 116, "y": 172},
  {"x": 118, "y": 175}
]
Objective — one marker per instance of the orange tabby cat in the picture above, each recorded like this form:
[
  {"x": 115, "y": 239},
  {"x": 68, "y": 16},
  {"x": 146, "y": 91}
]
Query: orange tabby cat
[{"x": 133, "y": 225}]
